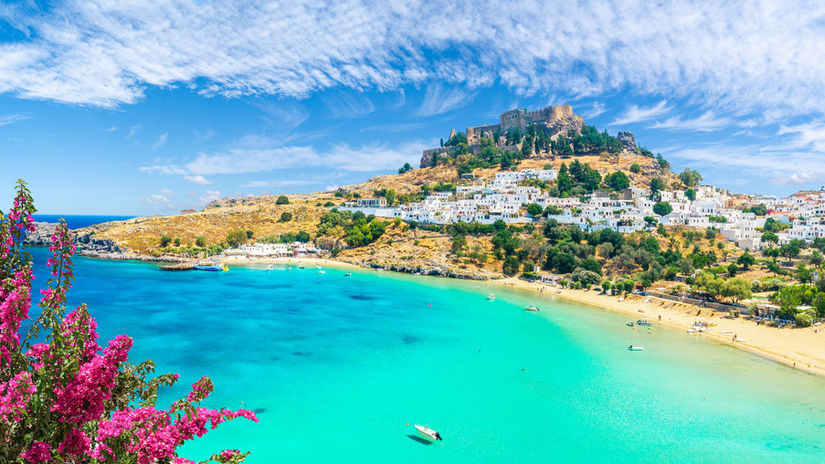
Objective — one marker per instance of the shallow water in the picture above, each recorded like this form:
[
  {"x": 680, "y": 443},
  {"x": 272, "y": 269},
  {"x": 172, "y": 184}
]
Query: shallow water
[{"x": 340, "y": 368}]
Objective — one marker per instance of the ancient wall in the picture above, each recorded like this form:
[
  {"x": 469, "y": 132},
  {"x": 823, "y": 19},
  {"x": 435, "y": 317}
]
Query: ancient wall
[
  {"x": 474, "y": 134},
  {"x": 513, "y": 119}
]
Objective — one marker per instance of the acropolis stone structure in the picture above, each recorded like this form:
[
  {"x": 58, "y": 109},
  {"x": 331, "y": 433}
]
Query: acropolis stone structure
[{"x": 558, "y": 119}]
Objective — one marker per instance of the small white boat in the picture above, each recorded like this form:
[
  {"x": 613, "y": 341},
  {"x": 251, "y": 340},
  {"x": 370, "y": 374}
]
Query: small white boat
[
  {"x": 531, "y": 307},
  {"x": 321, "y": 272},
  {"x": 348, "y": 274},
  {"x": 491, "y": 296},
  {"x": 428, "y": 432},
  {"x": 643, "y": 322},
  {"x": 268, "y": 267},
  {"x": 635, "y": 348}
]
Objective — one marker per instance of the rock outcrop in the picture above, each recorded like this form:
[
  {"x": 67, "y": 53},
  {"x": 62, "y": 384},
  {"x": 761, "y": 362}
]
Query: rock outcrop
[
  {"x": 430, "y": 157},
  {"x": 628, "y": 140},
  {"x": 84, "y": 239}
]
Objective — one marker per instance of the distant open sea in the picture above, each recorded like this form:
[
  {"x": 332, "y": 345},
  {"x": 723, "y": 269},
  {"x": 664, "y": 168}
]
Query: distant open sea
[
  {"x": 75, "y": 221},
  {"x": 340, "y": 368}
]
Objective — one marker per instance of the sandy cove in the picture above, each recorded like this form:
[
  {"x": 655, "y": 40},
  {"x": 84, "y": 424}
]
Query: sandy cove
[{"x": 802, "y": 349}]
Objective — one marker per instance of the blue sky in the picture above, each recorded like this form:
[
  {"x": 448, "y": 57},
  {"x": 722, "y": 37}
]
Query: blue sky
[{"x": 135, "y": 107}]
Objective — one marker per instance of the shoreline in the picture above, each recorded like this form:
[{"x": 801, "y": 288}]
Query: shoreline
[
  {"x": 796, "y": 348},
  {"x": 802, "y": 349}
]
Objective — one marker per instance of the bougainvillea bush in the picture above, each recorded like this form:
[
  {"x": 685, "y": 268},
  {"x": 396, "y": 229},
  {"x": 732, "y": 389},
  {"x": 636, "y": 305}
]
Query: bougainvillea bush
[{"x": 63, "y": 398}]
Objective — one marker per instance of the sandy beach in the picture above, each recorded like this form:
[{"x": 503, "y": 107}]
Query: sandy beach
[
  {"x": 308, "y": 262},
  {"x": 801, "y": 348}
]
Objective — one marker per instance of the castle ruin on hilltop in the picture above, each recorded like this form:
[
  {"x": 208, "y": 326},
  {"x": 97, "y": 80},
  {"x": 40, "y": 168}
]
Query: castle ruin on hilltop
[{"x": 554, "y": 119}]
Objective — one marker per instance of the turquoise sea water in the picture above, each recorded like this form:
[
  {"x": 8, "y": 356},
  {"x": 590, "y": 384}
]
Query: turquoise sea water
[
  {"x": 76, "y": 221},
  {"x": 337, "y": 367}
]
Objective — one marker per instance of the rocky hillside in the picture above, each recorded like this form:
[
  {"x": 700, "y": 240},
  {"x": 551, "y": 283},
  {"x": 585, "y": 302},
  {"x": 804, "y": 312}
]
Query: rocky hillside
[{"x": 262, "y": 215}]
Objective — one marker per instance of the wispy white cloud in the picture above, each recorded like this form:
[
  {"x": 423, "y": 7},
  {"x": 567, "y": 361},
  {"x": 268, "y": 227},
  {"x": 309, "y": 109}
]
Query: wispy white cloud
[
  {"x": 100, "y": 52},
  {"x": 278, "y": 183},
  {"x": 799, "y": 178},
  {"x": 112, "y": 129},
  {"x": 160, "y": 141},
  {"x": 197, "y": 180},
  {"x": 210, "y": 195},
  {"x": 347, "y": 105},
  {"x": 133, "y": 130},
  {"x": 438, "y": 100},
  {"x": 12, "y": 118},
  {"x": 809, "y": 135},
  {"x": 161, "y": 199},
  {"x": 263, "y": 157},
  {"x": 596, "y": 109},
  {"x": 777, "y": 162},
  {"x": 635, "y": 113},
  {"x": 706, "y": 122},
  {"x": 284, "y": 115}
]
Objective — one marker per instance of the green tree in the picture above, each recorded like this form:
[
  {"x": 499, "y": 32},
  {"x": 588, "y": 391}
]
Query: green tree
[
  {"x": 177, "y": 242},
  {"x": 803, "y": 274},
  {"x": 732, "y": 269},
  {"x": 635, "y": 168},
  {"x": 236, "y": 237},
  {"x": 302, "y": 237},
  {"x": 770, "y": 237},
  {"x": 285, "y": 217},
  {"x": 656, "y": 186},
  {"x": 282, "y": 200},
  {"x": 662, "y": 208},
  {"x": 617, "y": 181},
  {"x": 510, "y": 266},
  {"x": 736, "y": 289},
  {"x": 690, "y": 177},
  {"x": 406, "y": 167},
  {"x": 746, "y": 260},
  {"x": 165, "y": 240},
  {"x": 390, "y": 195},
  {"x": 534, "y": 210},
  {"x": 563, "y": 180},
  {"x": 690, "y": 194},
  {"x": 565, "y": 263},
  {"x": 459, "y": 245},
  {"x": 815, "y": 259}
]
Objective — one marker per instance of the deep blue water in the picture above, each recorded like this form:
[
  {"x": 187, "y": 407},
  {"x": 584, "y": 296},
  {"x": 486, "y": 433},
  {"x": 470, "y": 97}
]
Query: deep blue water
[
  {"x": 76, "y": 221},
  {"x": 340, "y": 368}
]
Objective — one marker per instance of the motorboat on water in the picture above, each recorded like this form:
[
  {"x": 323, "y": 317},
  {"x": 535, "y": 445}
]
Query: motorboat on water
[
  {"x": 322, "y": 272},
  {"x": 348, "y": 274},
  {"x": 215, "y": 266},
  {"x": 531, "y": 307},
  {"x": 269, "y": 267},
  {"x": 635, "y": 348},
  {"x": 643, "y": 322},
  {"x": 428, "y": 432},
  {"x": 630, "y": 323},
  {"x": 491, "y": 296}
]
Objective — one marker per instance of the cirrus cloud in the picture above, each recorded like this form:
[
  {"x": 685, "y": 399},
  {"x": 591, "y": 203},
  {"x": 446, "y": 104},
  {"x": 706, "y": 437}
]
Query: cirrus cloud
[{"x": 98, "y": 52}]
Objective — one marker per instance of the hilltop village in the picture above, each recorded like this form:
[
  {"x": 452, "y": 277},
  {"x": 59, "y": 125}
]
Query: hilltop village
[
  {"x": 527, "y": 195},
  {"x": 540, "y": 195}
]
